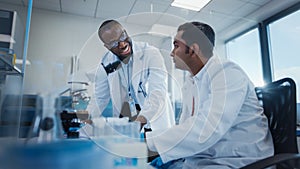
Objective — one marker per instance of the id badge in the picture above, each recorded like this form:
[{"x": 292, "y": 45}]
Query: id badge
[{"x": 132, "y": 107}]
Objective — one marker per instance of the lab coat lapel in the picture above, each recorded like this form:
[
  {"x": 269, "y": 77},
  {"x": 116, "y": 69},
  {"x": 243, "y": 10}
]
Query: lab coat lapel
[
  {"x": 115, "y": 89},
  {"x": 137, "y": 68}
]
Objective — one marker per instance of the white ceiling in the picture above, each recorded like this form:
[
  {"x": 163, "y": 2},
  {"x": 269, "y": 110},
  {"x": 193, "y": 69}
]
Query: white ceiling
[{"x": 226, "y": 16}]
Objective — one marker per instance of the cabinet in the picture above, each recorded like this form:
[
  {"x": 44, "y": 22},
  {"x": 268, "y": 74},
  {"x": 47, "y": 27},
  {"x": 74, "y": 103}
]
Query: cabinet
[{"x": 10, "y": 48}]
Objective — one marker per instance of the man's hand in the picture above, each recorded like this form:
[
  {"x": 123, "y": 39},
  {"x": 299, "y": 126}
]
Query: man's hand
[
  {"x": 142, "y": 120},
  {"x": 88, "y": 121}
]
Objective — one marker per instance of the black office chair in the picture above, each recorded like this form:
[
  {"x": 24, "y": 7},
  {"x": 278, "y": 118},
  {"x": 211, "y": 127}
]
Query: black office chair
[{"x": 279, "y": 102}]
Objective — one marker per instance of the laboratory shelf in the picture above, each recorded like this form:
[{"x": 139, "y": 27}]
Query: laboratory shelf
[{"x": 7, "y": 62}]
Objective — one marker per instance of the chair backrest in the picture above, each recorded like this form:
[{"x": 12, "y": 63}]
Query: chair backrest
[{"x": 279, "y": 102}]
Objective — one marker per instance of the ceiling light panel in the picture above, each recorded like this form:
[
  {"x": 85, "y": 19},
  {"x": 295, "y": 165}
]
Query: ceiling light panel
[{"x": 194, "y": 5}]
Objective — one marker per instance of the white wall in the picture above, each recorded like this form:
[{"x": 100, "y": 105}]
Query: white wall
[{"x": 54, "y": 39}]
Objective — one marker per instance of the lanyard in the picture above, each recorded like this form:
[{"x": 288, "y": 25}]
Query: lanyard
[
  {"x": 131, "y": 96},
  {"x": 127, "y": 77}
]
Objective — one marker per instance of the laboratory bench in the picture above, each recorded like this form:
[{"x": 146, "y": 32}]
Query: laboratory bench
[{"x": 94, "y": 153}]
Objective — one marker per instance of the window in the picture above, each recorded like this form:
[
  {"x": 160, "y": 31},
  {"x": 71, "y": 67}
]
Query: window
[
  {"x": 285, "y": 48},
  {"x": 245, "y": 51}
]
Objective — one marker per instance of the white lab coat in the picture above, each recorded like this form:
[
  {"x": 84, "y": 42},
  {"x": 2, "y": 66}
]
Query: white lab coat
[
  {"x": 148, "y": 72},
  {"x": 228, "y": 129}
]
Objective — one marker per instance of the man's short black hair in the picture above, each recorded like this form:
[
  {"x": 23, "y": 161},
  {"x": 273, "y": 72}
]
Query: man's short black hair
[{"x": 105, "y": 23}]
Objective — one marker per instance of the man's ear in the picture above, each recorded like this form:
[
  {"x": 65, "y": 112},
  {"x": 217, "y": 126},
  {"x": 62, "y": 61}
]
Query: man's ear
[{"x": 194, "y": 49}]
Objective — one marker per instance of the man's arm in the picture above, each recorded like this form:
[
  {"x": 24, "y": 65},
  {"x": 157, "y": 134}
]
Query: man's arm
[{"x": 157, "y": 101}]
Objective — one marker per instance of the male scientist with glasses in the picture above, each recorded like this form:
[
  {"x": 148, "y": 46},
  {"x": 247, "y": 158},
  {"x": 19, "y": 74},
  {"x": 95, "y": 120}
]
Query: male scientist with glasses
[{"x": 135, "y": 79}]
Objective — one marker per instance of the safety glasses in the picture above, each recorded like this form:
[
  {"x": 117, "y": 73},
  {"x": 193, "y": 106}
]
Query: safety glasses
[{"x": 115, "y": 43}]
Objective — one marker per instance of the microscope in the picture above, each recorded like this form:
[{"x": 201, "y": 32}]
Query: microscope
[{"x": 71, "y": 108}]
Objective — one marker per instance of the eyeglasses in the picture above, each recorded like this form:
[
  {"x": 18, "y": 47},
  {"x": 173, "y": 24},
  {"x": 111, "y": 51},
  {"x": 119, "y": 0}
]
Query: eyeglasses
[{"x": 115, "y": 43}]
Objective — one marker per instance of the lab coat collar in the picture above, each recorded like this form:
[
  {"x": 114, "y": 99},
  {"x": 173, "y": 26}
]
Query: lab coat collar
[
  {"x": 137, "y": 49},
  {"x": 213, "y": 60},
  {"x": 190, "y": 78},
  {"x": 137, "y": 65}
]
